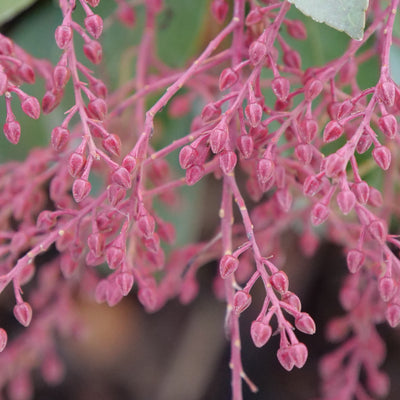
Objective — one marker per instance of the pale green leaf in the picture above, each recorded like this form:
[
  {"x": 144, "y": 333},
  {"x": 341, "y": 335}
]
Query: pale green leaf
[
  {"x": 344, "y": 15},
  {"x": 10, "y": 8}
]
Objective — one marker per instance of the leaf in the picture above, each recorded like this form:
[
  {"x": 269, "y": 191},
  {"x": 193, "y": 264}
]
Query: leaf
[
  {"x": 343, "y": 15},
  {"x": 10, "y": 8}
]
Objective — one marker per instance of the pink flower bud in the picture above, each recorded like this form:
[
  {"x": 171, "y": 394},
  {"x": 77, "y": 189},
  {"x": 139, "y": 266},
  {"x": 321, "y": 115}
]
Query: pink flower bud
[
  {"x": 257, "y": 52},
  {"x": 284, "y": 198},
  {"x": 344, "y": 109},
  {"x": 6, "y": 46},
  {"x": 337, "y": 329},
  {"x": 3, "y": 339},
  {"x": 210, "y": 112},
  {"x": 12, "y": 131},
  {"x": 76, "y": 163},
  {"x": 253, "y": 113},
  {"x": 3, "y": 83},
  {"x": 382, "y": 157},
  {"x": 80, "y": 189},
  {"x": 59, "y": 138},
  {"x": 387, "y": 288},
  {"x": 363, "y": 143},
  {"x": 378, "y": 230},
  {"x": 122, "y": 178},
  {"x": 218, "y": 138},
  {"x": 93, "y": 51},
  {"x": 227, "y": 161},
  {"x": 146, "y": 225},
  {"x": 355, "y": 259},
  {"x": 228, "y": 265},
  {"x": 319, "y": 214},
  {"x": 50, "y": 101},
  {"x": 68, "y": 266},
  {"x": 296, "y": 29},
  {"x": 361, "y": 190},
  {"x": 375, "y": 197},
  {"x": 94, "y": 25},
  {"x": 291, "y": 299},
  {"x": 265, "y": 170},
  {"x": 93, "y": 3},
  {"x": 219, "y": 9},
  {"x": 308, "y": 130},
  {"x": 311, "y": 186},
  {"x": 254, "y": 16},
  {"x": 246, "y": 146},
  {"x": 26, "y": 73},
  {"x": 23, "y": 313},
  {"x": 152, "y": 243},
  {"x": 312, "y": 89},
  {"x": 98, "y": 108},
  {"x": 63, "y": 36},
  {"x": 304, "y": 152},
  {"x": 61, "y": 76},
  {"x": 285, "y": 358},
  {"x": 114, "y": 294},
  {"x": 280, "y": 282},
  {"x": 241, "y": 301},
  {"x": 187, "y": 155},
  {"x": 31, "y": 107},
  {"x": 299, "y": 354},
  {"x": 115, "y": 193},
  {"x": 101, "y": 291},
  {"x": 96, "y": 243},
  {"x": 227, "y": 79},
  {"x": 392, "y": 315},
  {"x": 292, "y": 59},
  {"x": 386, "y": 93},
  {"x": 189, "y": 291},
  {"x": 305, "y": 324},
  {"x": 346, "y": 201},
  {"x": 194, "y": 174},
  {"x": 334, "y": 165},
  {"x": 129, "y": 163},
  {"x": 333, "y": 130},
  {"x": 126, "y": 15},
  {"x": 125, "y": 282},
  {"x": 148, "y": 298},
  {"x": 281, "y": 88},
  {"x": 112, "y": 144},
  {"x": 260, "y": 333},
  {"x": 46, "y": 220}
]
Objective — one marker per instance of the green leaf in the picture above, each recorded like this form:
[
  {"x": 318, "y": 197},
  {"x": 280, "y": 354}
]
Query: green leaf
[
  {"x": 10, "y": 8},
  {"x": 343, "y": 15}
]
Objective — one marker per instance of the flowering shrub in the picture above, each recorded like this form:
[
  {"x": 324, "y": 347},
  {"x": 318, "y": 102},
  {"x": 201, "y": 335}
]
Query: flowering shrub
[{"x": 261, "y": 126}]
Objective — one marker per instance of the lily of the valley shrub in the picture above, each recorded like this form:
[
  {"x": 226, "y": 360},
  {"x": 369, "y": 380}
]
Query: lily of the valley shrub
[{"x": 262, "y": 134}]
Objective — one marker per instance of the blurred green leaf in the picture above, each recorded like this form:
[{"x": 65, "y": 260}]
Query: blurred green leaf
[
  {"x": 344, "y": 15},
  {"x": 10, "y": 8}
]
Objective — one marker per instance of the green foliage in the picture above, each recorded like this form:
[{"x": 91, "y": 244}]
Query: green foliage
[{"x": 343, "y": 15}]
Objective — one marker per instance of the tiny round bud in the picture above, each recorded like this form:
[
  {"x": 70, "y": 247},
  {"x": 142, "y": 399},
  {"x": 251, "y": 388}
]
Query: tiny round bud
[
  {"x": 93, "y": 51},
  {"x": 194, "y": 174},
  {"x": 3, "y": 339},
  {"x": 305, "y": 323},
  {"x": 355, "y": 259},
  {"x": 382, "y": 157},
  {"x": 94, "y": 25},
  {"x": 285, "y": 358},
  {"x": 281, "y": 88},
  {"x": 63, "y": 36},
  {"x": 12, "y": 131},
  {"x": 61, "y": 76},
  {"x": 80, "y": 189},
  {"x": 311, "y": 186},
  {"x": 333, "y": 130},
  {"x": 257, "y": 52},
  {"x": 392, "y": 315},
  {"x": 241, "y": 301},
  {"x": 312, "y": 89},
  {"x": 23, "y": 313},
  {"x": 227, "y": 79},
  {"x": 112, "y": 144},
  {"x": 228, "y": 265},
  {"x": 299, "y": 354},
  {"x": 253, "y": 114},
  {"x": 246, "y": 146},
  {"x": 260, "y": 333},
  {"x": 227, "y": 161},
  {"x": 387, "y": 93},
  {"x": 210, "y": 112},
  {"x": 319, "y": 214},
  {"x": 346, "y": 201},
  {"x": 280, "y": 282},
  {"x": 387, "y": 288},
  {"x": 125, "y": 282},
  {"x": 31, "y": 107},
  {"x": 218, "y": 139},
  {"x": 59, "y": 138},
  {"x": 122, "y": 178}
]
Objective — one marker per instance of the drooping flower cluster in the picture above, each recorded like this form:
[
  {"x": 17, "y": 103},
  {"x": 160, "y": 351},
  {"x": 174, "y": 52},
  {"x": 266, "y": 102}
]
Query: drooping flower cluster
[{"x": 262, "y": 133}]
